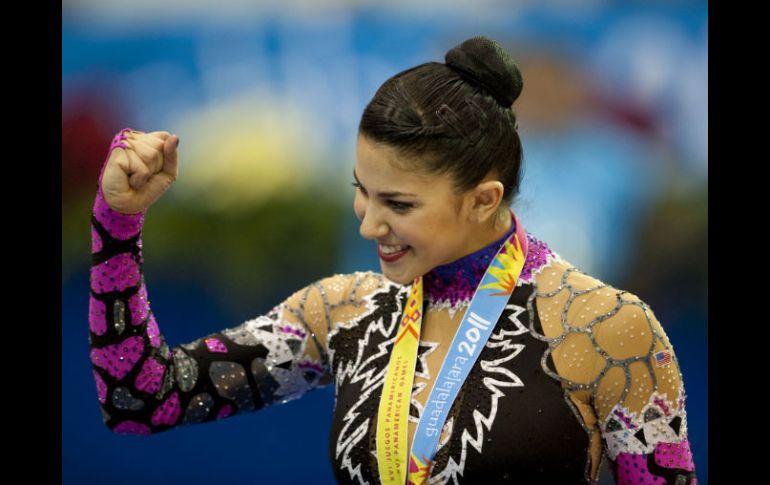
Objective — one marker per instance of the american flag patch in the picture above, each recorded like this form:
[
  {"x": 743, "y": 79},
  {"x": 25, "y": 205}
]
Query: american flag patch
[{"x": 662, "y": 358}]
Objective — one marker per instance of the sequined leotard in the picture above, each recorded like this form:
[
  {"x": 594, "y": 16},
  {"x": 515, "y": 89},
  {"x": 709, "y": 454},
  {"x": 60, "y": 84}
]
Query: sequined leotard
[{"x": 575, "y": 370}]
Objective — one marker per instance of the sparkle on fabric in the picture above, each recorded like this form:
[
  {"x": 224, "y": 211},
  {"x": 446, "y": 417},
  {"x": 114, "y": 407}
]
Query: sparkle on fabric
[
  {"x": 151, "y": 376},
  {"x": 216, "y": 345}
]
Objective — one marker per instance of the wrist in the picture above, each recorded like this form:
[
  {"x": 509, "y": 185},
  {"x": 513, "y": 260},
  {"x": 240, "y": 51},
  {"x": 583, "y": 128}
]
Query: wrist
[{"x": 117, "y": 224}]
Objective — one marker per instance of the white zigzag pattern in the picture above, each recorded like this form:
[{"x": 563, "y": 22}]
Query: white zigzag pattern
[
  {"x": 418, "y": 387},
  {"x": 354, "y": 370},
  {"x": 346, "y": 441},
  {"x": 372, "y": 379},
  {"x": 453, "y": 468}
]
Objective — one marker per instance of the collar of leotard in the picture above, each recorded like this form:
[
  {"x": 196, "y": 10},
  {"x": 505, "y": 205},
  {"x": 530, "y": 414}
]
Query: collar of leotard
[
  {"x": 454, "y": 282},
  {"x": 457, "y": 281}
]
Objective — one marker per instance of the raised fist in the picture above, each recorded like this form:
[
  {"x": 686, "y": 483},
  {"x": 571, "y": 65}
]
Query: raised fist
[{"x": 135, "y": 177}]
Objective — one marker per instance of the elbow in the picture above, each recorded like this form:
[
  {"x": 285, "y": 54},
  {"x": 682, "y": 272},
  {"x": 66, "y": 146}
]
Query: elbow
[
  {"x": 125, "y": 427},
  {"x": 131, "y": 428}
]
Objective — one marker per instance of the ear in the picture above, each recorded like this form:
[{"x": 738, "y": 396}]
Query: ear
[{"x": 486, "y": 198}]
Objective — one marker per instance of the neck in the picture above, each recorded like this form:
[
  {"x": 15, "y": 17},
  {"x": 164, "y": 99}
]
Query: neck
[
  {"x": 454, "y": 283},
  {"x": 482, "y": 239}
]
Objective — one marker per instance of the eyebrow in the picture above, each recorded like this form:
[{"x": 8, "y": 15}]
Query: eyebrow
[{"x": 383, "y": 195}]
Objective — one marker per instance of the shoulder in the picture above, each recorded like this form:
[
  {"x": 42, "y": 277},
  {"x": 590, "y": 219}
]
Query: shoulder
[
  {"x": 600, "y": 337},
  {"x": 621, "y": 322},
  {"x": 355, "y": 286},
  {"x": 566, "y": 295},
  {"x": 346, "y": 296},
  {"x": 332, "y": 300},
  {"x": 611, "y": 314}
]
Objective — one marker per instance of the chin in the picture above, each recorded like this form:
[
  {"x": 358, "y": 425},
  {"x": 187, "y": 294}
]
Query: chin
[{"x": 397, "y": 279}]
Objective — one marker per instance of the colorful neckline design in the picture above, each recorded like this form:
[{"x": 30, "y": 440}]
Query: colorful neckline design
[{"x": 452, "y": 285}]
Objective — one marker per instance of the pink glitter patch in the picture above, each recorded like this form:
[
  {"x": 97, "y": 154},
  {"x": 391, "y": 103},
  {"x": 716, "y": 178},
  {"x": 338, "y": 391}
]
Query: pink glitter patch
[
  {"x": 226, "y": 411},
  {"x": 139, "y": 306},
  {"x": 168, "y": 412},
  {"x": 674, "y": 455},
  {"x": 116, "y": 274},
  {"x": 632, "y": 470},
  {"x": 96, "y": 241},
  {"x": 132, "y": 427},
  {"x": 151, "y": 376},
  {"x": 294, "y": 331},
  {"x": 537, "y": 256},
  {"x": 101, "y": 387},
  {"x": 215, "y": 345},
  {"x": 153, "y": 332},
  {"x": 118, "y": 225},
  {"x": 662, "y": 405},
  {"x": 624, "y": 418},
  {"x": 119, "y": 359},
  {"x": 97, "y": 320}
]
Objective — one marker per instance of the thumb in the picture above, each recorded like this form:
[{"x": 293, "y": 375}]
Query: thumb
[{"x": 170, "y": 156}]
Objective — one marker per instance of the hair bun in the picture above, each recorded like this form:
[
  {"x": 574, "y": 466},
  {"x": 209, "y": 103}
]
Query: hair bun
[{"x": 483, "y": 61}]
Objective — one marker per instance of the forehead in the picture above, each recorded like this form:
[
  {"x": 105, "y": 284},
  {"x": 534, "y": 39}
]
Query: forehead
[{"x": 383, "y": 168}]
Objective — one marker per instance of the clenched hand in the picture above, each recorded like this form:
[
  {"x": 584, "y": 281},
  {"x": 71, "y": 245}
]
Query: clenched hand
[{"x": 135, "y": 177}]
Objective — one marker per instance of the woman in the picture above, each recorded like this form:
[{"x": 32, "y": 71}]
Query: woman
[{"x": 502, "y": 361}]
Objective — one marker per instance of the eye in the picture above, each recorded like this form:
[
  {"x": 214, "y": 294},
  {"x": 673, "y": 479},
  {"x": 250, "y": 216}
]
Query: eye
[
  {"x": 357, "y": 185},
  {"x": 400, "y": 206}
]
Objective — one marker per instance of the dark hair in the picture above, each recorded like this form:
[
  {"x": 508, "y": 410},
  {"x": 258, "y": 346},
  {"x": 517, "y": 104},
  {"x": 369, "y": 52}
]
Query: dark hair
[{"x": 455, "y": 117}]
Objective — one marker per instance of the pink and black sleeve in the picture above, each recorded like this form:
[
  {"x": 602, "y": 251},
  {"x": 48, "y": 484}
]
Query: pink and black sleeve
[{"x": 145, "y": 387}]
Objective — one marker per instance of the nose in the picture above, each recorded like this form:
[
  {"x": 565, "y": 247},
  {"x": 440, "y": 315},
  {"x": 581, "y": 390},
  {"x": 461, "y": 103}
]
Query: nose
[{"x": 372, "y": 226}]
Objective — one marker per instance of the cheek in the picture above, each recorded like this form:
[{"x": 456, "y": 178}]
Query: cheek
[
  {"x": 413, "y": 233},
  {"x": 433, "y": 233}
]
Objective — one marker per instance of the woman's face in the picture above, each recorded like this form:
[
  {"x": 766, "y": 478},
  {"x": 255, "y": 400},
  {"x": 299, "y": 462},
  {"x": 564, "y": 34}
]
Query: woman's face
[{"x": 426, "y": 224}]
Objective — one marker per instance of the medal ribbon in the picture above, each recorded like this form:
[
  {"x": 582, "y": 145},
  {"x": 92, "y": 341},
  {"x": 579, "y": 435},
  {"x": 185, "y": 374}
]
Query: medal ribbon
[{"x": 485, "y": 308}]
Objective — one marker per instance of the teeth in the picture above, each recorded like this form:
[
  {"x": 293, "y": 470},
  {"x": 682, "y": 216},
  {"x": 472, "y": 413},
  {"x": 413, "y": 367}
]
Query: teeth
[{"x": 391, "y": 249}]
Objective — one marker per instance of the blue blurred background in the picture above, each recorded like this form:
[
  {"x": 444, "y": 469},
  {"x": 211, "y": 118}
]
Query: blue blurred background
[{"x": 266, "y": 98}]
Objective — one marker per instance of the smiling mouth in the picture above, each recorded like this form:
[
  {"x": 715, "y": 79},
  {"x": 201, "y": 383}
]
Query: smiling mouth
[{"x": 391, "y": 255}]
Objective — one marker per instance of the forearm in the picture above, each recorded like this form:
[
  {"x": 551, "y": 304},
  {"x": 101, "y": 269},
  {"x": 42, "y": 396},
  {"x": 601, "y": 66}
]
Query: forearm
[{"x": 130, "y": 359}]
